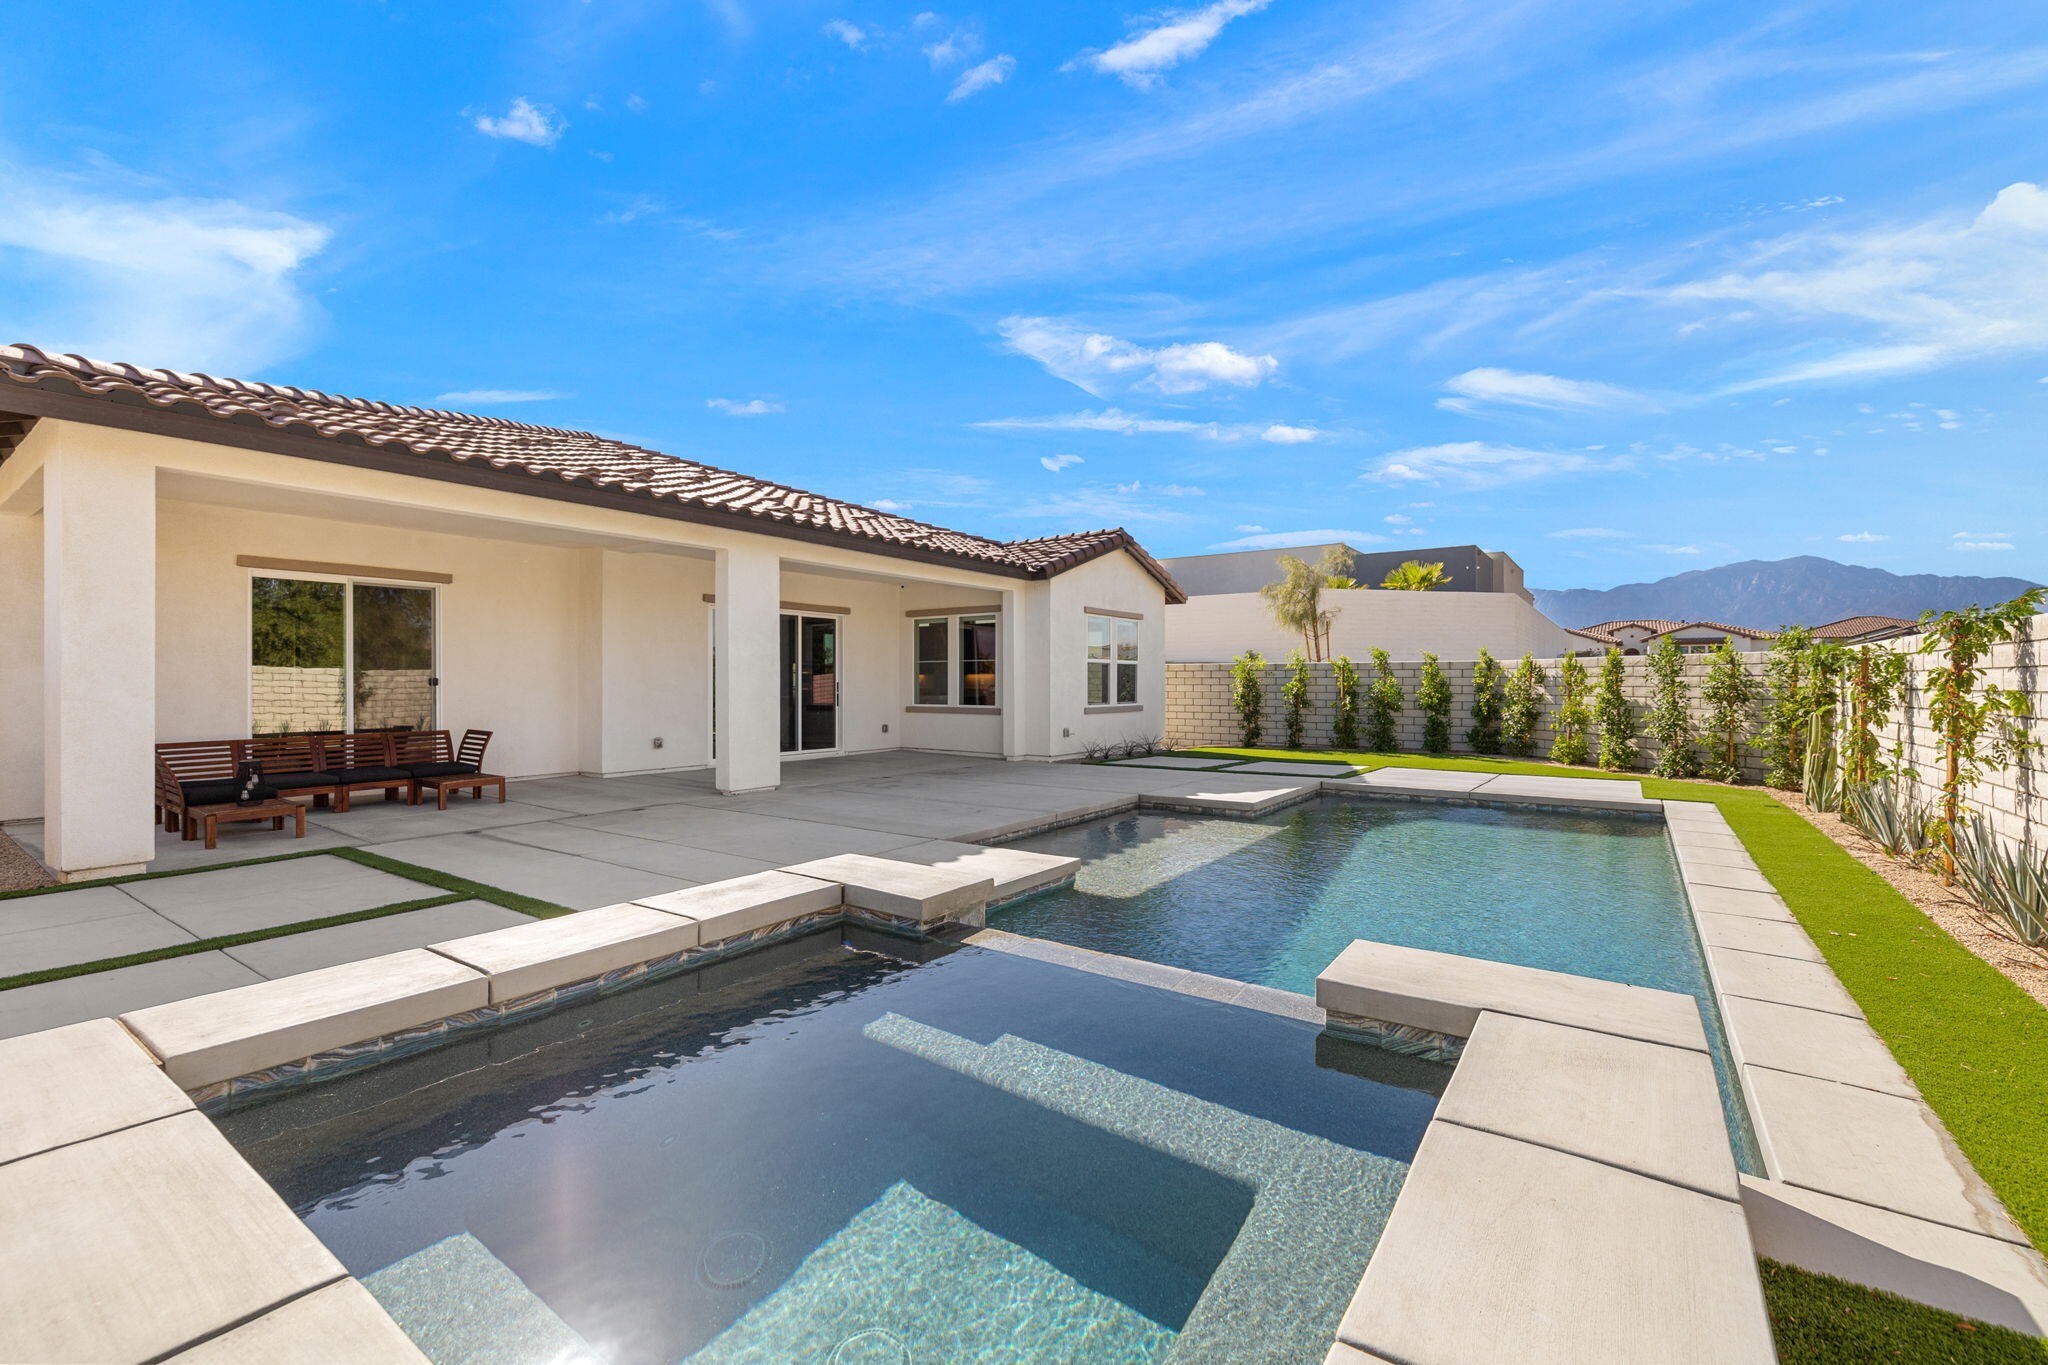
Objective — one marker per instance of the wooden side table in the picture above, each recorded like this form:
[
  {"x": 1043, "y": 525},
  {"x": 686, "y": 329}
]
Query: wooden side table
[
  {"x": 211, "y": 818},
  {"x": 473, "y": 783}
]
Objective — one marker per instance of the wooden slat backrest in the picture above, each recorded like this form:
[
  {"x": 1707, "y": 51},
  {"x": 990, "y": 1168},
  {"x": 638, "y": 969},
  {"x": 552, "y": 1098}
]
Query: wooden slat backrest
[
  {"x": 370, "y": 750},
  {"x": 199, "y": 760},
  {"x": 474, "y": 742},
  {"x": 422, "y": 746},
  {"x": 284, "y": 753}
]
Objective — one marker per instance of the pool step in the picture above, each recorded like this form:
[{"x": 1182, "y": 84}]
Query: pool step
[{"x": 461, "y": 1305}]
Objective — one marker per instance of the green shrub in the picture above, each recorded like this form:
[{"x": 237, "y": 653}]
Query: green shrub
[
  {"x": 1669, "y": 720},
  {"x": 1383, "y": 702},
  {"x": 1248, "y": 697},
  {"x": 1294, "y": 698},
  {"x": 1616, "y": 715},
  {"x": 1731, "y": 697},
  {"x": 1523, "y": 711},
  {"x": 1569, "y": 722},
  {"x": 1489, "y": 704},
  {"x": 1433, "y": 699},
  {"x": 1344, "y": 728}
]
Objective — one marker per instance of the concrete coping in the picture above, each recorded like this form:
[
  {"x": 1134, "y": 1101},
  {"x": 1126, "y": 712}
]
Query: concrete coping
[
  {"x": 528, "y": 958},
  {"x": 1444, "y": 993},
  {"x": 78, "y": 1082},
  {"x": 210, "y": 1038},
  {"x": 908, "y": 890},
  {"x": 745, "y": 905}
]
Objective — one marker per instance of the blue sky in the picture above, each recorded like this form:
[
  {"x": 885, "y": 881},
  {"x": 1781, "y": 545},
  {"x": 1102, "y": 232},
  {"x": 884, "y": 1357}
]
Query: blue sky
[{"x": 1621, "y": 288}]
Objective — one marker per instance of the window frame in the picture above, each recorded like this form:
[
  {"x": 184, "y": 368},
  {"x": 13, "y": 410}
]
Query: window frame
[
  {"x": 1120, "y": 660},
  {"x": 348, "y": 584},
  {"x": 955, "y": 662}
]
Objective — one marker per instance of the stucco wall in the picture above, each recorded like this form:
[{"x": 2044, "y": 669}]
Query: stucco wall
[
  {"x": 21, "y": 667},
  {"x": 1451, "y": 625},
  {"x": 1119, "y": 583}
]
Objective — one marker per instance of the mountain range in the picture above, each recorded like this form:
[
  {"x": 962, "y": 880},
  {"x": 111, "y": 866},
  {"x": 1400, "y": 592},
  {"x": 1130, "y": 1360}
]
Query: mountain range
[{"x": 1766, "y": 593}]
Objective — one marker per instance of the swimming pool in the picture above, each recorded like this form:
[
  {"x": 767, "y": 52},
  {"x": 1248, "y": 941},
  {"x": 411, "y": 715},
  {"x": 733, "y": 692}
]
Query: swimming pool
[
  {"x": 1273, "y": 900},
  {"x": 829, "y": 1151}
]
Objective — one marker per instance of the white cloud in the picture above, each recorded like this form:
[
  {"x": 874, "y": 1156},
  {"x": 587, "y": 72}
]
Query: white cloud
[
  {"x": 1396, "y": 519},
  {"x": 1981, "y": 545},
  {"x": 1164, "y": 490},
  {"x": 1586, "y": 533},
  {"x": 853, "y": 35},
  {"x": 1097, "y": 362},
  {"x": 753, "y": 407},
  {"x": 1288, "y": 540},
  {"x": 1111, "y": 506},
  {"x": 1176, "y": 37},
  {"x": 976, "y": 79},
  {"x": 1055, "y": 463},
  {"x": 1674, "y": 549},
  {"x": 1478, "y": 464},
  {"x": 1249, "y": 530},
  {"x": 535, "y": 124},
  {"x": 1983, "y": 535},
  {"x": 493, "y": 397},
  {"x": 1546, "y": 391},
  {"x": 956, "y": 46},
  {"x": 1283, "y": 435},
  {"x": 197, "y": 284},
  {"x": 1862, "y": 538},
  {"x": 1930, "y": 294},
  {"x": 889, "y": 505}
]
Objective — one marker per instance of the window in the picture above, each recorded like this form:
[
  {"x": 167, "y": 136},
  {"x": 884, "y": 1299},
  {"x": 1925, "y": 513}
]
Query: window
[
  {"x": 955, "y": 661},
  {"x": 1112, "y": 661},
  {"x": 339, "y": 655}
]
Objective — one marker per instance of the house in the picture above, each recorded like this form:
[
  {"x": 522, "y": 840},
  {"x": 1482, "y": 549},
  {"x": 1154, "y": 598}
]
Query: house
[
  {"x": 1858, "y": 630},
  {"x": 1467, "y": 568},
  {"x": 183, "y": 557},
  {"x": 1484, "y": 604},
  {"x": 1693, "y": 637}
]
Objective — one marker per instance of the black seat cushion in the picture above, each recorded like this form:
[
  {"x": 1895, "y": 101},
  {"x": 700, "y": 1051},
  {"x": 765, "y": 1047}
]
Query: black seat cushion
[
  {"x": 291, "y": 782},
  {"x": 351, "y": 776},
  {"x": 441, "y": 769},
  {"x": 208, "y": 793}
]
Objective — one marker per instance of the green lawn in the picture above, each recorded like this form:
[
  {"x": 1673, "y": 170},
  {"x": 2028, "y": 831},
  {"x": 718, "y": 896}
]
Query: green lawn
[
  {"x": 1820, "y": 1320},
  {"x": 1975, "y": 1044},
  {"x": 450, "y": 889}
]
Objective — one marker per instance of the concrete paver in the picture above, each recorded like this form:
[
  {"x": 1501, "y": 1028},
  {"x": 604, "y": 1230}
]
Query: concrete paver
[
  {"x": 564, "y": 879},
  {"x": 27, "y": 1009},
  {"x": 276, "y": 957},
  {"x": 235, "y": 900}
]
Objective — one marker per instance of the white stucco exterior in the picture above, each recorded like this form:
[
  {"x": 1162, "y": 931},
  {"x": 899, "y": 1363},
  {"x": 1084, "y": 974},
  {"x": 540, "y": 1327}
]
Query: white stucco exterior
[
  {"x": 1451, "y": 625},
  {"x": 579, "y": 634}
]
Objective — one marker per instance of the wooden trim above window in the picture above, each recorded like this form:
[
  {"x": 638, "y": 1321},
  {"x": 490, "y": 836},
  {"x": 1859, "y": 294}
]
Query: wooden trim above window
[
  {"x": 1110, "y": 710},
  {"x": 340, "y": 570},
  {"x": 810, "y": 607},
  {"x": 916, "y": 709},
  {"x": 934, "y": 613},
  {"x": 1112, "y": 611}
]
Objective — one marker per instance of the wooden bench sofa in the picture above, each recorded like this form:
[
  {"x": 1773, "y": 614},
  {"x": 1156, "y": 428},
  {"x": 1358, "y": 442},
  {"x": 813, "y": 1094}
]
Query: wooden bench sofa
[{"x": 325, "y": 768}]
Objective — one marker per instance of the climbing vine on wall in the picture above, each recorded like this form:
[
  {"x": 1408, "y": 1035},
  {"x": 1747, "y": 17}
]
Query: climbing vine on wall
[
  {"x": 1782, "y": 734},
  {"x": 1978, "y": 723},
  {"x": 1433, "y": 699}
]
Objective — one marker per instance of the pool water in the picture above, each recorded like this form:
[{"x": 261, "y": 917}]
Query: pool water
[
  {"x": 831, "y": 1153},
  {"x": 1273, "y": 900}
]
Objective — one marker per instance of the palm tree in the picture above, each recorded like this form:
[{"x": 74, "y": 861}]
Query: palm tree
[
  {"x": 1415, "y": 576},
  {"x": 1338, "y": 580},
  {"x": 1296, "y": 599}
]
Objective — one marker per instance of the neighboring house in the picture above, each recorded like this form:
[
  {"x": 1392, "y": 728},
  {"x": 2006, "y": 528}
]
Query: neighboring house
[
  {"x": 1857, "y": 630},
  {"x": 1693, "y": 637},
  {"x": 1467, "y": 568},
  {"x": 184, "y": 557}
]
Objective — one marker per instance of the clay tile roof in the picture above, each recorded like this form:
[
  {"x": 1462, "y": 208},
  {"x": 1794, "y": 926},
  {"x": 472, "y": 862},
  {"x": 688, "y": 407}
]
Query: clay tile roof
[
  {"x": 1851, "y": 626},
  {"x": 1653, "y": 626},
  {"x": 1750, "y": 631},
  {"x": 554, "y": 456}
]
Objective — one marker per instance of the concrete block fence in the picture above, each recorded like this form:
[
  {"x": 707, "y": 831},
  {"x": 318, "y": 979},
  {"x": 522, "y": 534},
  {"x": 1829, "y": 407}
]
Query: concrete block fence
[
  {"x": 2012, "y": 800},
  {"x": 284, "y": 700}
]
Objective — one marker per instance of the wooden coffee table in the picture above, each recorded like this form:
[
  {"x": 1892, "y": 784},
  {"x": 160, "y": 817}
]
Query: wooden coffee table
[
  {"x": 473, "y": 783},
  {"x": 275, "y": 811}
]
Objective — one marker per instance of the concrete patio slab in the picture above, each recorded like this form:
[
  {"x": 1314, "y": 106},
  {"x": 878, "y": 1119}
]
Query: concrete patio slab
[
  {"x": 26, "y": 1009},
  {"x": 590, "y": 796},
  {"x": 1013, "y": 870},
  {"x": 894, "y": 813},
  {"x": 1429, "y": 780},
  {"x": 1445, "y": 993},
  {"x": 1756, "y": 936},
  {"x": 1504, "y": 1250},
  {"x": 1171, "y": 761},
  {"x": 1038, "y": 798},
  {"x": 742, "y": 905},
  {"x": 1271, "y": 768},
  {"x": 236, "y": 900},
  {"x": 1686, "y": 835},
  {"x": 1692, "y": 855},
  {"x": 1871, "y": 1148},
  {"x": 275, "y": 957},
  {"x": 1598, "y": 793},
  {"x": 679, "y": 862},
  {"x": 381, "y": 820},
  {"x": 307, "y": 1330},
  {"x": 1833, "y": 1047},
  {"x": 1784, "y": 980},
  {"x": 562, "y": 878},
  {"x": 146, "y": 1240},
  {"x": 1966, "y": 1273},
  {"x": 65, "y": 945},
  {"x": 69, "y": 1084},
  {"x": 237, "y": 842},
  {"x": 236, "y": 1032},
  {"x": 745, "y": 832},
  {"x": 1639, "y": 1106},
  {"x": 540, "y": 954},
  {"x": 1271, "y": 794},
  {"x": 1722, "y": 900},
  {"x": 1731, "y": 878},
  {"x": 54, "y": 909}
]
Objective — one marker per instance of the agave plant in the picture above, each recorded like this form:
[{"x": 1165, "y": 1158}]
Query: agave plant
[
  {"x": 2006, "y": 878},
  {"x": 1881, "y": 810}
]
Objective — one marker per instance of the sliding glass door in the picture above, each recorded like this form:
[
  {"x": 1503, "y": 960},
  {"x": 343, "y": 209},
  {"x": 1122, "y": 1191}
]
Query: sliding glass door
[
  {"x": 329, "y": 655},
  {"x": 810, "y": 692}
]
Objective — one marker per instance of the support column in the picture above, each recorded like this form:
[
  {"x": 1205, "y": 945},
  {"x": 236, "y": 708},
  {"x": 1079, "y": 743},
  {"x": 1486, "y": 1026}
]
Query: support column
[
  {"x": 99, "y": 662},
  {"x": 1010, "y": 686},
  {"x": 748, "y": 640},
  {"x": 1028, "y": 711}
]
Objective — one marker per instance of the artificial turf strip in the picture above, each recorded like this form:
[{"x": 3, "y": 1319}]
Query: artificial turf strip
[
  {"x": 1974, "y": 1043},
  {"x": 207, "y": 945},
  {"x": 1820, "y": 1320},
  {"x": 167, "y": 872},
  {"x": 462, "y": 886}
]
